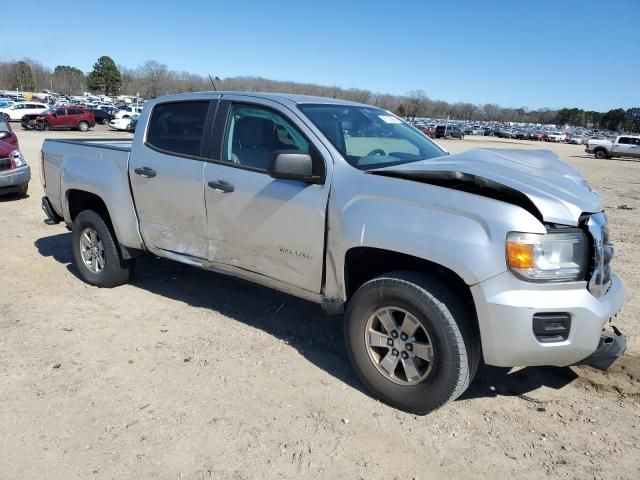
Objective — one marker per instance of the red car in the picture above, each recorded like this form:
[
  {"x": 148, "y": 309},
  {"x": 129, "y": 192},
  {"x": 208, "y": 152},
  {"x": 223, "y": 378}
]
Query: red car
[
  {"x": 6, "y": 134},
  {"x": 429, "y": 131},
  {"x": 14, "y": 171},
  {"x": 69, "y": 117}
]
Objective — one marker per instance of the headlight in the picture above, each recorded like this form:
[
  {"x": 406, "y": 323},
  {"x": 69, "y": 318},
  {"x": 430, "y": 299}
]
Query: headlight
[
  {"x": 18, "y": 159},
  {"x": 552, "y": 257}
]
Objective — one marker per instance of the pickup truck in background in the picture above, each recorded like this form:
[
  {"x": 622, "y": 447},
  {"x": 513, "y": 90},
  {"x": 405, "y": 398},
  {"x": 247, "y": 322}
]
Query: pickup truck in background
[
  {"x": 438, "y": 260},
  {"x": 622, "y": 146}
]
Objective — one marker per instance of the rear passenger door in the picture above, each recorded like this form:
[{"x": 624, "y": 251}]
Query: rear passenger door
[
  {"x": 257, "y": 223},
  {"x": 166, "y": 171},
  {"x": 623, "y": 146}
]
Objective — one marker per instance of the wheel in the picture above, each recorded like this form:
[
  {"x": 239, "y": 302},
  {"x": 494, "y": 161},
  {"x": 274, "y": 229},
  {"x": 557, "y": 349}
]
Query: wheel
[
  {"x": 105, "y": 121},
  {"x": 44, "y": 126},
  {"x": 96, "y": 254},
  {"x": 600, "y": 153},
  {"x": 83, "y": 126},
  {"x": 411, "y": 341}
]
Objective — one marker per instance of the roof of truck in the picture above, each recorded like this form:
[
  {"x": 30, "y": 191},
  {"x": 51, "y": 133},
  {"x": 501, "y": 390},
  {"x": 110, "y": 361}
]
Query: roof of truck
[{"x": 277, "y": 97}]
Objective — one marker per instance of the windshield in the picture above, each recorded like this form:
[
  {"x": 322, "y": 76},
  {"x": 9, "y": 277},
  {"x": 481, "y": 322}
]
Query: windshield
[
  {"x": 4, "y": 126},
  {"x": 368, "y": 137}
]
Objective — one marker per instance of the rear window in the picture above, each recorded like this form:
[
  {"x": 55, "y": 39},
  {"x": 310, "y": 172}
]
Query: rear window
[{"x": 178, "y": 127}]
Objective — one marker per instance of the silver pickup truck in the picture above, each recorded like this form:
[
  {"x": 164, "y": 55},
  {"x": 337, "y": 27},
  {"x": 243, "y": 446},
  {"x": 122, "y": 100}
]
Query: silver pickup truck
[
  {"x": 621, "y": 146},
  {"x": 438, "y": 260}
]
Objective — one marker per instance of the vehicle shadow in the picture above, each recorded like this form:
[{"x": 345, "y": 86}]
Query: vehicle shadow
[
  {"x": 301, "y": 324},
  {"x": 12, "y": 197}
]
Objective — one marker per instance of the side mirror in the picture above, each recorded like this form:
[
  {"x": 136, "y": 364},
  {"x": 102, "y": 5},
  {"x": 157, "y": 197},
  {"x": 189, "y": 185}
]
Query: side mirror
[{"x": 292, "y": 165}]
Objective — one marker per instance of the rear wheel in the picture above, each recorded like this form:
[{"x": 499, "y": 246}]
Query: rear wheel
[
  {"x": 105, "y": 121},
  {"x": 83, "y": 126},
  {"x": 44, "y": 126},
  {"x": 96, "y": 254},
  {"x": 412, "y": 341}
]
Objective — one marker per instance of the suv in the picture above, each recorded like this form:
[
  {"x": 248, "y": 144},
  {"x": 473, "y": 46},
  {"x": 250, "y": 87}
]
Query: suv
[
  {"x": 449, "y": 131},
  {"x": 16, "y": 111},
  {"x": 67, "y": 117}
]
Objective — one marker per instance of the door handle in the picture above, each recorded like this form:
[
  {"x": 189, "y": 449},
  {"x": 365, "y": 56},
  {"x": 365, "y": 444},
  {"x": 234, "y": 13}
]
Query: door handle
[
  {"x": 147, "y": 172},
  {"x": 222, "y": 186}
]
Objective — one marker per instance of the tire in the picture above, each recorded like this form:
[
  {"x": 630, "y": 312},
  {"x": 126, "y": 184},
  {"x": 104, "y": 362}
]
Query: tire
[
  {"x": 448, "y": 324},
  {"x": 44, "y": 126},
  {"x": 600, "y": 154},
  {"x": 105, "y": 121},
  {"x": 115, "y": 271},
  {"x": 83, "y": 126}
]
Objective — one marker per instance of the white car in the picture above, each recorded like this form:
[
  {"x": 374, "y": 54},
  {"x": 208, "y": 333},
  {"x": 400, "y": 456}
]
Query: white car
[
  {"x": 126, "y": 113},
  {"x": 556, "y": 137},
  {"x": 16, "y": 111},
  {"x": 122, "y": 123}
]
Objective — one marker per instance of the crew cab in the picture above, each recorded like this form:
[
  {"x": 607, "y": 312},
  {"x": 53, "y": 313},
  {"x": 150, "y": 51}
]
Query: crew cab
[
  {"x": 622, "y": 146},
  {"x": 437, "y": 260}
]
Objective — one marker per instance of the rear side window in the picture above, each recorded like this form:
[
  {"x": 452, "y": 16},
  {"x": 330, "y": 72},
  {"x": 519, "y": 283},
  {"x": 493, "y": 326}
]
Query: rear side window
[
  {"x": 624, "y": 141},
  {"x": 178, "y": 127}
]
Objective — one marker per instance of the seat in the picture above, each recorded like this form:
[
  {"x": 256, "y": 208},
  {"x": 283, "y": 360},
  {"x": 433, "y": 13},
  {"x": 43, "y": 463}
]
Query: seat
[{"x": 250, "y": 140}]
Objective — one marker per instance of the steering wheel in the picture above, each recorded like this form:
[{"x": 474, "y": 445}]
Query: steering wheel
[{"x": 377, "y": 151}]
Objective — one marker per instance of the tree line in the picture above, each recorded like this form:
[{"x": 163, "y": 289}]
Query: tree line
[{"x": 153, "y": 79}]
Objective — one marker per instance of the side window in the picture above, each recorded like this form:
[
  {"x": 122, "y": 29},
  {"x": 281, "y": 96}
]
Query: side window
[
  {"x": 60, "y": 111},
  {"x": 624, "y": 141},
  {"x": 254, "y": 135},
  {"x": 178, "y": 127}
]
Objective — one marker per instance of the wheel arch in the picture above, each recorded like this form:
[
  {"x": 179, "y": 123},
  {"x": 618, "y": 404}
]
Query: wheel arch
[{"x": 365, "y": 263}]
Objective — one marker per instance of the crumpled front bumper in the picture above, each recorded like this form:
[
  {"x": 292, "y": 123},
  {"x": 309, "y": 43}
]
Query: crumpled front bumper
[
  {"x": 506, "y": 305},
  {"x": 612, "y": 345}
]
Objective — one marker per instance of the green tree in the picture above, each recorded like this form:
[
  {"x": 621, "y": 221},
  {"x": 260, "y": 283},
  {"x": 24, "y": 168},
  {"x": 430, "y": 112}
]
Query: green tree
[
  {"x": 105, "y": 77},
  {"x": 68, "y": 80},
  {"x": 613, "y": 119},
  {"x": 632, "y": 117},
  {"x": 21, "y": 76}
]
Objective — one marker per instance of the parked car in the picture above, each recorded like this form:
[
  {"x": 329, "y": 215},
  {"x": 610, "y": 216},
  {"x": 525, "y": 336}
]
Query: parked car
[
  {"x": 16, "y": 111},
  {"x": 15, "y": 174},
  {"x": 102, "y": 116},
  {"x": 428, "y": 131},
  {"x": 449, "y": 131},
  {"x": 556, "y": 137},
  {"x": 622, "y": 146},
  {"x": 122, "y": 124},
  {"x": 70, "y": 117},
  {"x": 577, "y": 139},
  {"x": 438, "y": 259},
  {"x": 133, "y": 123},
  {"x": 6, "y": 133},
  {"x": 127, "y": 112}
]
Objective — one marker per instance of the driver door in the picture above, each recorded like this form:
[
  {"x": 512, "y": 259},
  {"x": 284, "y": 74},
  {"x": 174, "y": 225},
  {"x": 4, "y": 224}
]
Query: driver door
[{"x": 273, "y": 227}]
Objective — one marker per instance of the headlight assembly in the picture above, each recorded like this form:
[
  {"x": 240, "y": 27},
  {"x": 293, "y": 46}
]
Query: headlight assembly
[{"x": 551, "y": 257}]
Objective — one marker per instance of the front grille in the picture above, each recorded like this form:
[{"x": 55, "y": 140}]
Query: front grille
[
  {"x": 602, "y": 254},
  {"x": 5, "y": 163}
]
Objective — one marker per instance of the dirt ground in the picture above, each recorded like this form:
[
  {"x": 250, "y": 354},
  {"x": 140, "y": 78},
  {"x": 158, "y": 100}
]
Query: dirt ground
[{"x": 186, "y": 374}]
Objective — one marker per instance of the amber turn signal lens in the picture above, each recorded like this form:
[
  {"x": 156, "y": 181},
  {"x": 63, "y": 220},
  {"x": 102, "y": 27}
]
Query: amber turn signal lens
[{"x": 520, "y": 255}]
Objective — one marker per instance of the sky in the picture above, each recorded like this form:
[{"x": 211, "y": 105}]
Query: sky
[{"x": 572, "y": 53}]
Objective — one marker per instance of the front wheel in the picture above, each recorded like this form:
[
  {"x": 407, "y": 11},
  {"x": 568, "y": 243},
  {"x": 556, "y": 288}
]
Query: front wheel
[
  {"x": 96, "y": 254},
  {"x": 411, "y": 341},
  {"x": 601, "y": 154}
]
